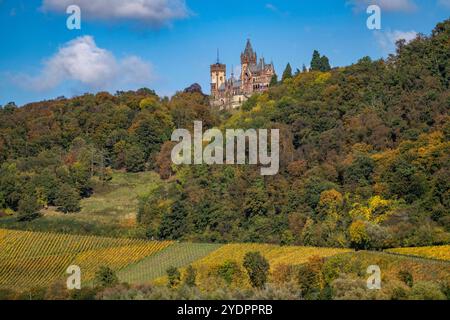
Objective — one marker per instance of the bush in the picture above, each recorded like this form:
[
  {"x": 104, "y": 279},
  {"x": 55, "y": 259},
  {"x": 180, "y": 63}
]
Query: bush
[
  {"x": 311, "y": 279},
  {"x": 105, "y": 277},
  {"x": 406, "y": 277},
  {"x": 426, "y": 291},
  {"x": 85, "y": 293},
  {"x": 229, "y": 271},
  {"x": 190, "y": 276},
  {"x": 173, "y": 276},
  {"x": 257, "y": 268}
]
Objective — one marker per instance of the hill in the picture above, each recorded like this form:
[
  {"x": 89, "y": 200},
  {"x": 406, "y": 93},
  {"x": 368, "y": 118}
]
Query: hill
[{"x": 364, "y": 159}]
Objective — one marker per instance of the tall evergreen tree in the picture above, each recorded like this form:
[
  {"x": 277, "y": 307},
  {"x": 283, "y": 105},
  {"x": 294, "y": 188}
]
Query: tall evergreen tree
[
  {"x": 273, "y": 80},
  {"x": 320, "y": 63},
  {"x": 324, "y": 64},
  {"x": 316, "y": 61},
  {"x": 287, "y": 73}
]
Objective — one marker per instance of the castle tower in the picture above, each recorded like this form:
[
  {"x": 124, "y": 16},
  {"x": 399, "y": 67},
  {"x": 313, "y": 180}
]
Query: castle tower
[
  {"x": 248, "y": 59},
  {"x": 218, "y": 76}
]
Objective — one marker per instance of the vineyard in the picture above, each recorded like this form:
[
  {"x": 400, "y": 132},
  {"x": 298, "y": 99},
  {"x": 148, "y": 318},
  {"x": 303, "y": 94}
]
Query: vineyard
[
  {"x": 32, "y": 259},
  {"x": 434, "y": 252},
  {"x": 276, "y": 255},
  {"x": 35, "y": 259},
  {"x": 155, "y": 266}
]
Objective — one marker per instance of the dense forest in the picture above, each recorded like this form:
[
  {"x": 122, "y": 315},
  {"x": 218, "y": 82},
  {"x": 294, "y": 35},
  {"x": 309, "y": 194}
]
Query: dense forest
[{"x": 364, "y": 155}]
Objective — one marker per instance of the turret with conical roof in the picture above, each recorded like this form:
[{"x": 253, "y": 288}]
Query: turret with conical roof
[{"x": 248, "y": 56}]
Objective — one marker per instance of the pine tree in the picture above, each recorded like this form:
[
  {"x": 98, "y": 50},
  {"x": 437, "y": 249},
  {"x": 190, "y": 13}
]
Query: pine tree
[
  {"x": 324, "y": 64},
  {"x": 273, "y": 80},
  {"x": 316, "y": 61},
  {"x": 320, "y": 63},
  {"x": 287, "y": 73}
]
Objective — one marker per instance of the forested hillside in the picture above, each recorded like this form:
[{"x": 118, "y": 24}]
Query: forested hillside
[{"x": 364, "y": 162}]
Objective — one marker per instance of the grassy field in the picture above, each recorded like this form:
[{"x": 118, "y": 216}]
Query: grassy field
[
  {"x": 155, "y": 266},
  {"x": 30, "y": 259},
  {"x": 111, "y": 211},
  {"x": 117, "y": 201},
  {"x": 433, "y": 252}
]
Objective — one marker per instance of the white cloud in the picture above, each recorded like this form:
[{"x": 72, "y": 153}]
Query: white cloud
[
  {"x": 80, "y": 60},
  {"x": 387, "y": 5},
  {"x": 445, "y": 3},
  {"x": 275, "y": 9},
  {"x": 387, "y": 39},
  {"x": 149, "y": 12}
]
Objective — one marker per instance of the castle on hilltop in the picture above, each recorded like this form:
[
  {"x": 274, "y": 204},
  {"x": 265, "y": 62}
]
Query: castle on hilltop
[{"x": 231, "y": 93}]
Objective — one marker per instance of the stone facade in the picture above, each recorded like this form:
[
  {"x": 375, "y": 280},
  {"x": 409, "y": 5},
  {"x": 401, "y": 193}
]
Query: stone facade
[{"x": 230, "y": 93}]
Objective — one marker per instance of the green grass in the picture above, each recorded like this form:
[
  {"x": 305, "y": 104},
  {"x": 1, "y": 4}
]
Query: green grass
[
  {"x": 117, "y": 201},
  {"x": 155, "y": 266},
  {"x": 110, "y": 211}
]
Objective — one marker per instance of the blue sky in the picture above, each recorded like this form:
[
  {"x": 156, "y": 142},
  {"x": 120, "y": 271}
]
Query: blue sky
[{"x": 167, "y": 45}]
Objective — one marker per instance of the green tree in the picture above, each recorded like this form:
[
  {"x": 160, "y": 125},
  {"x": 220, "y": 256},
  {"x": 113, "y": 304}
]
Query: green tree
[
  {"x": 67, "y": 199},
  {"x": 190, "y": 276},
  {"x": 324, "y": 64},
  {"x": 28, "y": 208},
  {"x": 134, "y": 159},
  {"x": 257, "y": 268},
  {"x": 273, "y": 80},
  {"x": 173, "y": 224},
  {"x": 320, "y": 63},
  {"x": 173, "y": 277},
  {"x": 316, "y": 61},
  {"x": 105, "y": 277},
  {"x": 287, "y": 73},
  {"x": 228, "y": 271}
]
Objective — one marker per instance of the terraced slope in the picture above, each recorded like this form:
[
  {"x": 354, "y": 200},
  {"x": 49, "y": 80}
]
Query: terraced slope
[
  {"x": 432, "y": 252},
  {"x": 276, "y": 255},
  {"x": 31, "y": 259},
  {"x": 178, "y": 255}
]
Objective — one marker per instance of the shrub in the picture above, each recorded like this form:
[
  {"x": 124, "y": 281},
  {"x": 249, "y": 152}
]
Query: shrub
[
  {"x": 173, "y": 276},
  {"x": 257, "y": 268},
  {"x": 406, "y": 277},
  {"x": 105, "y": 277},
  {"x": 425, "y": 290},
  {"x": 190, "y": 276},
  {"x": 229, "y": 271}
]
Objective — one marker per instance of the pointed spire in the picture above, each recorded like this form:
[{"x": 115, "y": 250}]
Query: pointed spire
[
  {"x": 248, "y": 48},
  {"x": 218, "y": 59}
]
